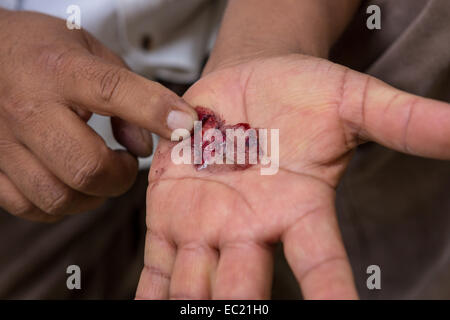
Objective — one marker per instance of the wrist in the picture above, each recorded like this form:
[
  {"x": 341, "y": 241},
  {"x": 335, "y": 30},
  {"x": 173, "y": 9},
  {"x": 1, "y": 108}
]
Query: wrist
[
  {"x": 237, "y": 52},
  {"x": 253, "y": 29},
  {"x": 272, "y": 30}
]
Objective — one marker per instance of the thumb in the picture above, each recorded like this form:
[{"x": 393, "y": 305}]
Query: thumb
[
  {"x": 398, "y": 120},
  {"x": 113, "y": 90}
]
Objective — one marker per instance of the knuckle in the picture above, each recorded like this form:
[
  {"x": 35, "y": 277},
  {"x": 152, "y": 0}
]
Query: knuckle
[
  {"x": 7, "y": 146},
  {"x": 327, "y": 262},
  {"x": 195, "y": 248},
  {"x": 351, "y": 106},
  {"x": 23, "y": 209},
  {"x": 186, "y": 296},
  {"x": 57, "y": 203},
  {"x": 90, "y": 169},
  {"x": 110, "y": 83},
  {"x": 55, "y": 60},
  {"x": 342, "y": 103},
  {"x": 406, "y": 143},
  {"x": 16, "y": 109},
  {"x": 157, "y": 271}
]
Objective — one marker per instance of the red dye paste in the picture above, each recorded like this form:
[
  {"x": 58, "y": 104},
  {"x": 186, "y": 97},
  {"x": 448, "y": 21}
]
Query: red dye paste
[{"x": 212, "y": 121}]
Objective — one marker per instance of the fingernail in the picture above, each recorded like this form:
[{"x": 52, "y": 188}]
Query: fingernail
[{"x": 180, "y": 120}]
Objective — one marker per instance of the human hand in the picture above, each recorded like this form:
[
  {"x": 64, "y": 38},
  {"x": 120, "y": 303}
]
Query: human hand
[
  {"x": 51, "y": 81},
  {"x": 210, "y": 235}
]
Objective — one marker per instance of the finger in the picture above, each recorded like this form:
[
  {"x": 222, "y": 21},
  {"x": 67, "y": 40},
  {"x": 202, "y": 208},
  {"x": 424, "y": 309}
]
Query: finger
[
  {"x": 138, "y": 141},
  {"x": 244, "y": 272},
  {"x": 40, "y": 186},
  {"x": 396, "y": 119},
  {"x": 108, "y": 89},
  {"x": 192, "y": 273},
  {"x": 71, "y": 150},
  {"x": 12, "y": 200},
  {"x": 159, "y": 259},
  {"x": 316, "y": 254}
]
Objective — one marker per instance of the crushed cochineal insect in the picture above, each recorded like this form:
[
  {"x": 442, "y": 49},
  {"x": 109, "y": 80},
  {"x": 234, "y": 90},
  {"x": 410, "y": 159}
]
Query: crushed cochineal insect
[{"x": 212, "y": 121}]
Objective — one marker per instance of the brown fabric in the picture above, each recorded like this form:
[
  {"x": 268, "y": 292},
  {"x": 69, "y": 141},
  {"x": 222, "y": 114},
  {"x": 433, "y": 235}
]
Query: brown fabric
[{"x": 107, "y": 245}]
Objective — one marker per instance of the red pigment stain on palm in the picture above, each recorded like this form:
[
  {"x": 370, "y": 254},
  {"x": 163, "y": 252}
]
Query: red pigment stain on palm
[{"x": 212, "y": 121}]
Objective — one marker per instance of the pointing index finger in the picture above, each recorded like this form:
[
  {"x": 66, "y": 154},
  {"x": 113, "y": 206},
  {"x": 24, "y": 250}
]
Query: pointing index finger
[{"x": 113, "y": 90}]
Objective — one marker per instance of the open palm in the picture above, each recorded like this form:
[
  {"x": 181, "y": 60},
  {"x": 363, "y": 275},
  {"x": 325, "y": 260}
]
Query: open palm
[{"x": 211, "y": 234}]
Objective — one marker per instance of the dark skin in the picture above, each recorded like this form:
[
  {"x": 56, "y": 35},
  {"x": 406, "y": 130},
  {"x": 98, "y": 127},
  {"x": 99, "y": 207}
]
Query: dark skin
[
  {"x": 216, "y": 241},
  {"x": 51, "y": 81}
]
